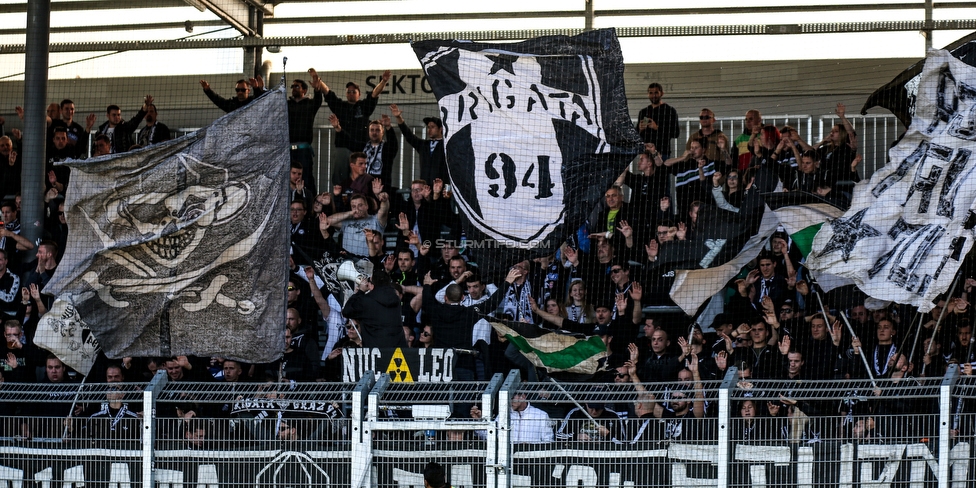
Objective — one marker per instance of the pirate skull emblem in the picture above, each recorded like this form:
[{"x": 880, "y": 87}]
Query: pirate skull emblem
[
  {"x": 173, "y": 225},
  {"x": 66, "y": 328},
  {"x": 167, "y": 226}
]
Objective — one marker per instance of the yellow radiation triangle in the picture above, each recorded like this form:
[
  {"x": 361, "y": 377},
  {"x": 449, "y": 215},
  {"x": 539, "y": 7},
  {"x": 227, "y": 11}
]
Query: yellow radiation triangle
[{"x": 398, "y": 369}]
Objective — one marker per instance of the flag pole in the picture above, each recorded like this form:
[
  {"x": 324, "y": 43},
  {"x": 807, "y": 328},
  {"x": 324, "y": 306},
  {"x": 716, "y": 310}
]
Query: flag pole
[
  {"x": 938, "y": 322},
  {"x": 694, "y": 321},
  {"x": 864, "y": 359},
  {"x": 71, "y": 412},
  {"x": 904, "y": 340},
  {"x": 850, "y": 329},
  {"x": 918, "y": 332},
  {"x": 582, "y": 409}
]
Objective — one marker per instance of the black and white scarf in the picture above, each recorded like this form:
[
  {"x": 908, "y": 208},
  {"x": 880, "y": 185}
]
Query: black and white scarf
[
  {"x": 516, "y": 302},
  {"x": 374, "y": 159}
]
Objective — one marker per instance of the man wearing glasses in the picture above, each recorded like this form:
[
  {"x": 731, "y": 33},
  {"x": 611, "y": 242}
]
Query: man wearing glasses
[
  {"x": 789, "y": 317},
  {"x": 18, "y": 356},
  {"x": 707, "y": 135},
  {"x": 242, "y": 90}
]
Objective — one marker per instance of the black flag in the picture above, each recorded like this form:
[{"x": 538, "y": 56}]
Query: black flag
[
  {"x": 534, "y": 131},
  {"x": 180, "y": 247},
  {"x": 898, "y": 96}
]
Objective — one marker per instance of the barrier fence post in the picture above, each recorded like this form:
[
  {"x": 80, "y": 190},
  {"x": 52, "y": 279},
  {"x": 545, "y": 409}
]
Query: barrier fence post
[
  {"x": 509, "y": 388},
  {"x": 488, "y": 398},
  {"x": 945, "y": 422},
  {"x": 149, "y": 397},
  {"x": 361, "y": 445},
  {"x": 903, "y": 449},
  {"x": 724, "y": 417}
]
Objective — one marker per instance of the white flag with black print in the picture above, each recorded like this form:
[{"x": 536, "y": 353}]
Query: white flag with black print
[
  {"x": 534, "y": 131},
  {"x": 911, "y": 225},
  {"x": 62, "y": 332},
  {"x": 180, "y": 248}
]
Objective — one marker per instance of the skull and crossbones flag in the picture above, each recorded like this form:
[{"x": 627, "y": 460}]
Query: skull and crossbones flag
[
  {"x": 534, "y": 132},
  {"x": 180, "y": 248},
  {"x": 909, "y": 228}
]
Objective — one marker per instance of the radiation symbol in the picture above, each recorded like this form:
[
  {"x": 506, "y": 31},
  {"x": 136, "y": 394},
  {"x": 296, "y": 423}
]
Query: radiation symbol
[{"x": 398, "y": 369}]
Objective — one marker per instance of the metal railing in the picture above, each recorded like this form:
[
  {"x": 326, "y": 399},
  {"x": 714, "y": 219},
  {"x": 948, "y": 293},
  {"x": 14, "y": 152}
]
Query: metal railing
[
  {"x": 500, "y": 433},
  {"x": 876, "y": 133}
]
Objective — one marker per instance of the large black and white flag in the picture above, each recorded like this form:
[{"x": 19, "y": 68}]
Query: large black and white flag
[
  {"x": 535, "y": 132},
  {"x": 899, "y": 95},
  {"x": 911, "y": 225},
  {"x": 181, "y": 247}
]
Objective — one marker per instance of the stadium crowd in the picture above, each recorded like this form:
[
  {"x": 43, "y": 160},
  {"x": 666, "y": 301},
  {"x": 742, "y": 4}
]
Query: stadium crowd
[{"x": 426, "y": 289}]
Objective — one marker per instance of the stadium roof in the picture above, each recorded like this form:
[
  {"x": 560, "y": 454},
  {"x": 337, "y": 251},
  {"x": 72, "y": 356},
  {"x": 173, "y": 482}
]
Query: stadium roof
[{"x": 670, "y": 31}]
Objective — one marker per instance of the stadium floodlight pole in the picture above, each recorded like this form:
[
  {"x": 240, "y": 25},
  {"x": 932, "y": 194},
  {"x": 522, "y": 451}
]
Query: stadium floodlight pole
[{"x": 35, "y": 125}]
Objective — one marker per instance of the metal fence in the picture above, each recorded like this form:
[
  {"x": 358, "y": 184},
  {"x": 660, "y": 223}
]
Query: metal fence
[
  {"x": 500, "y": 433},
  {"x": 876, "y": 133}
]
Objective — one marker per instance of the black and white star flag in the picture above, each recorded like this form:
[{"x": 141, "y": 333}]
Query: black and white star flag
[
  {"x": 535, "y": 132},
  {"x": 911, "y": 225},
  {"x": 181, "y": 247}
]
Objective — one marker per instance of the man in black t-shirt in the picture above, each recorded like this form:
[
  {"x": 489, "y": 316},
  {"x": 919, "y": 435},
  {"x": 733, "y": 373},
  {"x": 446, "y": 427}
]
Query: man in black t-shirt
[{"x": 658, "y": 122}]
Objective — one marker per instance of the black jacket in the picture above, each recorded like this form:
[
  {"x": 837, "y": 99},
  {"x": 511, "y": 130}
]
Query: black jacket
[
  {"x": 378, "y": 315},
  {"x": 122, "y": 135},
  {"x": 231, "y": 104},
  {"x": 433, "y": 162},
  {"x": 432, "y": 214},
  {"x": 453, "y": 324}
]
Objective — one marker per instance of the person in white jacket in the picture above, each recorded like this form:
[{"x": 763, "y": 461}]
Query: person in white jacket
[{"x": 530, "y": 425}]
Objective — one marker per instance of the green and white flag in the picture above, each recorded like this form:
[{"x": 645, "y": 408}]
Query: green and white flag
[
  {"x": 553, "y": 350},
  {"x": 801, "y": 214}
]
